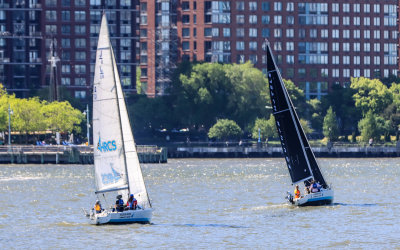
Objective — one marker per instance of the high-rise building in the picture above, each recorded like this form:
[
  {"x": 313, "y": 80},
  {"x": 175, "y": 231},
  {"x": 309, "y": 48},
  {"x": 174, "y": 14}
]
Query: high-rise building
[
  {"x": 30, "y": 30},
  {"x": 316, "y": 43}
]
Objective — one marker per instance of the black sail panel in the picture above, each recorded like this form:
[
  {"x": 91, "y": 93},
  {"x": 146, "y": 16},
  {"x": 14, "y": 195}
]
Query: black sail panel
[{"x": 287, "y": 124}]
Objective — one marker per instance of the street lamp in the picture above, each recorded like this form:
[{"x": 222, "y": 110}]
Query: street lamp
[
  {"x": 86, "y": 112},
  {"x": 10, "y": 112}
]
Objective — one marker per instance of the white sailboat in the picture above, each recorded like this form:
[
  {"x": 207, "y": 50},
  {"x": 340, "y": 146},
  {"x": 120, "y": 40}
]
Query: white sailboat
[
  {"x": 117, "y": 168},
  {"x": 300, "y": 159}
]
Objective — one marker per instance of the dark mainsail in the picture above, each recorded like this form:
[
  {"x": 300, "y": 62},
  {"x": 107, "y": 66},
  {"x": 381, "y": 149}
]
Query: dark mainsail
[{"x": 298, "y": 155}]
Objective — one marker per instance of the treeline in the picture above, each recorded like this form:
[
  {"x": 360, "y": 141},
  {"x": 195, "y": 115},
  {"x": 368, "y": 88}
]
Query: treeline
[
  {"x": 34, "y": 115},
  {"x": 203, "y": 95}
]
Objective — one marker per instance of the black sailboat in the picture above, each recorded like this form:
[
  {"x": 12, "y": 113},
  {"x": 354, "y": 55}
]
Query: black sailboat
[{"x": 299, "y": 156}]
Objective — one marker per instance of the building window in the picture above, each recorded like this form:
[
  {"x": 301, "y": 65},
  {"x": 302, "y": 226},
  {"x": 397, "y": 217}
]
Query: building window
[
  {"x": 80, "y": 55},
  {"x": 253, "y": 45},
  {"x": 80, "y": 16},
  {"x": 240, "y": 19},
  {"x": 346, "y": 72},
  {"x": 278, "y": 19},
  {"x": 277, "y": 33},
  {"x": 51, "y": 15},
  {"x": 185, "y": 6},
  {"x": 143, "y": 19},
  {"x": 290, "y": 20},
  {"x": 265, "y": 32},
  {"x": 367, "y": 60},
  {"x": 66, "y": 69},
  {"x": 252, "y": 6},
  {"x": 80, "y": 81},
  {"x": 253, "y": 19},
  {"x": 207, "y": 32},
  {"x": 366, "y": 8},
  {"x": 185, "y": 19},
  {"x": 185, "y": 32},
  {"x": 377, "y": 21},
  {"x": 253, "y": 59},
  {"x": 356, "y": 20},
  {"x": 367, "y": 73},
  {"x": 239, "y": 32},
  {"x": 377, "y": 34},
  {"x": 226, "y": 32},
  {"x": 185, "y": 46},
  {"x": 80, "y": 94},
  {"x": 80, "y": 29},
  {"x": 367, "y": 47},
  {"x": 335, "y": 73},
  {"x": 367, "y": 21},
  {"x": 65, "y": 81},
  {"x": 335, "y": 59},
  {"x": 265, "y": 6},
  {"x": 66, "y": 43},
  {"x": 80, "y": 69},
  {"x": 65, "y": 15},
  {"x": 324, "y": 33},
  {"x": 290, "y": 59},
  {"x": 335, "y": 47},
  {"x": 252, "y": 32},
  {"x": 367, "y": 34},
  {"x": 277, "y": 6},
  {"x": 278, "y": 46},
  {"x": 377, "y": 8},
  {"x": 80, "y": 43},
  {"x": 240, "y": 5},
  {"x": 239, "y": 45},
  {"x": 335, "y": 20},
  {"x": 346, "y": 20},
  {"x": 215, "y": 32},
  {"x": 290, "y": 7},
  {"x": 290, "y": 46},
  {"x": 265, "y": 19},
  {"x": 357, "y": 47},
  {"x": 290, "y": 33},
  {"x": 356, "y": 34},
  {"x": 346, "y": 60},
  {"x": 313, "y": 33},
  {"x": 346, "y": 34},
  {"x": 356, "y": 60},
  {"x": 335, "y": 7},
  {"x": 346, "y": 47},
  {"x": 335, "y": 33},
  {"x": 346, "y": 7}
]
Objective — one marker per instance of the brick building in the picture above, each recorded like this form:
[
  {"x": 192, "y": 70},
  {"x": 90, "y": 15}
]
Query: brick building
[
  {"x": 317, "y": 44},
  {"x": 29, "y": 28}
]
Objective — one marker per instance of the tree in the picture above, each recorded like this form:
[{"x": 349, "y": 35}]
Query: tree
[
  {"x": 305, "y": 126},
  {"x": 225, "y": 129},
  {"x": 368, "y": 127},
  {"x": 330, "y": 127},
  {"x": 371, "y": 95},
  {"x": 138, "y": 82},
  {"x": 267, "y": 128},
  {"x": 61, "y": 117}
]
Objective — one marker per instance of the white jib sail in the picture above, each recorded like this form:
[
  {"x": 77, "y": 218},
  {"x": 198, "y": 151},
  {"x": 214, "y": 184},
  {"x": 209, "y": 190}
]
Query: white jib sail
[
  {"x": 135, "y": 176},
  {"x": 109, "y": 160}
]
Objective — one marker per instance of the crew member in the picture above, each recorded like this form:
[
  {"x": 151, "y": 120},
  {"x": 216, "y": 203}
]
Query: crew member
[
  {"x": 97, "y": 207},
  {"x": 132, "y": 203},
  {"x": 297, "y": 192},
  {"x": 119, "y": 204}
]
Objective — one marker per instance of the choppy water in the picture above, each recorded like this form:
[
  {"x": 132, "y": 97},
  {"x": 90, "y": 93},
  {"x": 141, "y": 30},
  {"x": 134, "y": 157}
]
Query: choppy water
[{"x": 212, "y": 203}]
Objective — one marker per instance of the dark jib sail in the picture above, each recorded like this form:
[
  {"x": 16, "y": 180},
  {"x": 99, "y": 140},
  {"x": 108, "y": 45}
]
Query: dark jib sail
[{"x": 299, "y": 157}]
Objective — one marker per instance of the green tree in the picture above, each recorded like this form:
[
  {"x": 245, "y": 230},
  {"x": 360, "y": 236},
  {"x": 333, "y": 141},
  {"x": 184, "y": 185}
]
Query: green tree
[
  {"x": 341, "y": 100},
  {"x": 27, "y": 116},
  {"x": 306, "y": 127},
  {"x": 61, "y": 117},
  {"x": 368, "y": 127},
  {"x": 267, "y": 128},
  {"x": 225, "y": 129},
  {"x": 330, "y": 127},
  {"x": 371, "y": 95}
]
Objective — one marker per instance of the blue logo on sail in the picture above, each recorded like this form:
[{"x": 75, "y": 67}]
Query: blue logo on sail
[
  {"x": 106, "y": 146},
  {"x": 111, "y": 177}
]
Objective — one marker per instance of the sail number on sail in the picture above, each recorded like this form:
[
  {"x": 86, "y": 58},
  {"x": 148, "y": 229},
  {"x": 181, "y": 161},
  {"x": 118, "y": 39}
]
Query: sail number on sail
[{"x": 106, "y": 146}]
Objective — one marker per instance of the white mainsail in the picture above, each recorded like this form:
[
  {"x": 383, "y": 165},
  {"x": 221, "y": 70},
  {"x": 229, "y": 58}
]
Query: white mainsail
[{"x": 116, "y": 161}]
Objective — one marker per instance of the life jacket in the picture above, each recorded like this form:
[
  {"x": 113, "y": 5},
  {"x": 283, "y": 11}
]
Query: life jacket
[
  {"x": 296, "y": 193},
  {"x": 97, "y": 207}
]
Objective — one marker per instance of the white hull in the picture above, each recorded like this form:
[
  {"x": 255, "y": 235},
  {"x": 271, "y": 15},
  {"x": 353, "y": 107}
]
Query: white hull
[
  {"x": 324, "y": 197},
  {"x": 129, "y": 216}
]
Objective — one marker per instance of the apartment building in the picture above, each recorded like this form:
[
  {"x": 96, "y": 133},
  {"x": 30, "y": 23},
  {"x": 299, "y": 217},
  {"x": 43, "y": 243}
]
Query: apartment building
[
  {"x": 30, "y": 29},
  {"x": 316, "y": 43}
]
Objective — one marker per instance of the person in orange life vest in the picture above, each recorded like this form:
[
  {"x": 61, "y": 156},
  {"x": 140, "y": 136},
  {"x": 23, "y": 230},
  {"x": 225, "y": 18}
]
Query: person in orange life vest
[
  {"x": 132, "y": 203},
  {"x": 297, "y": 192},
  {"x": 97, "y": 207}
]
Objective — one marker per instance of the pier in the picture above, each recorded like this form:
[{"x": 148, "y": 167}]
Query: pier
[{"x": 74, "y": 154}]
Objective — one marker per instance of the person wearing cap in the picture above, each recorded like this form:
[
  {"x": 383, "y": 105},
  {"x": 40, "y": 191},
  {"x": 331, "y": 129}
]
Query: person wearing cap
[
  {"x": 119, "y": 204},
  {"x": 297, "y": 192},
  {"x": 132, "y": 203},
  {"x": 97, "y": 207}
]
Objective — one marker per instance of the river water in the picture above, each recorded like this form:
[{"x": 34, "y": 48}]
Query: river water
[{"x": 205, "y": 203}]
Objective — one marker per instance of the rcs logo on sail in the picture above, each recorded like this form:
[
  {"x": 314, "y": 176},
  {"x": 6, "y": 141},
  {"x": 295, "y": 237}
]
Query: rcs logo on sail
[{"x": 106, "y": 146}]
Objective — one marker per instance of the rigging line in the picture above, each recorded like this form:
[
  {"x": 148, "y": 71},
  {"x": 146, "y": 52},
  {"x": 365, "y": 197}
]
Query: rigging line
[
  {"x": 280, "y": 111},
  {"x": 274, "y": 70},
  {"x": 105, "y": 48},
  {"x": 107, "y": 99}
]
